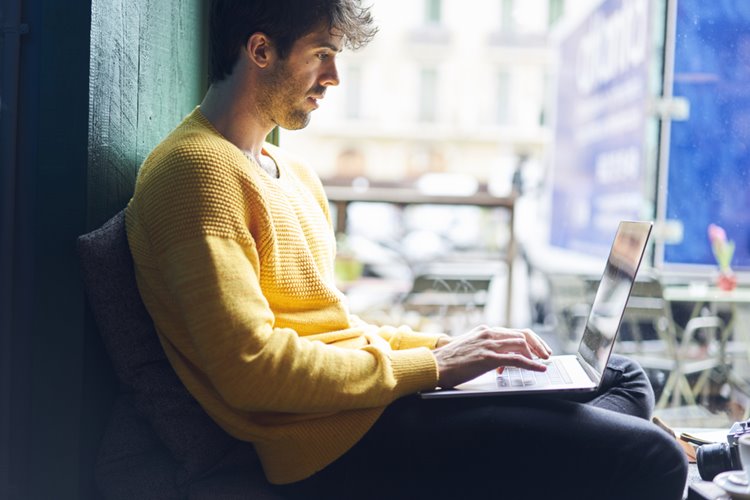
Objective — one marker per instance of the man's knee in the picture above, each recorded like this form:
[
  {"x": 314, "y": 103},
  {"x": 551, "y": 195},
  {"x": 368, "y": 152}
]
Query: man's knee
[
  {"x": 664, "y": 459},
  {"x": 628, "y": 376},
  {"x": 626, "y": 366},
  {"x": 629, "y": 371}
]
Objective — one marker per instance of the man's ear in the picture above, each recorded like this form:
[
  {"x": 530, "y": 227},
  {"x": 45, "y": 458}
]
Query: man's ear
[{"x": 259, "y": 49}]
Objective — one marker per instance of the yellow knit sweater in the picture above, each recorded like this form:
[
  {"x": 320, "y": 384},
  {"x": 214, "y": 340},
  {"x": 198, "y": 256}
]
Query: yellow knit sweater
[{"x": 236, "y": 269}]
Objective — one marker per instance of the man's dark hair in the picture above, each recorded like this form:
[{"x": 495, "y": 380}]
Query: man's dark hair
[{"x": 284, "y": 21}]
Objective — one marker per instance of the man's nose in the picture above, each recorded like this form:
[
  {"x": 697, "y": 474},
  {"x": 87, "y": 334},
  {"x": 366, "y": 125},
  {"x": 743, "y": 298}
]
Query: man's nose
[{"x": 330, "y": 76}]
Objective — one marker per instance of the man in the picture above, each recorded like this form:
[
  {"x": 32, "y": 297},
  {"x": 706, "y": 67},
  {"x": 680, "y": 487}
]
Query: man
[{"x": 234, "y": 251}]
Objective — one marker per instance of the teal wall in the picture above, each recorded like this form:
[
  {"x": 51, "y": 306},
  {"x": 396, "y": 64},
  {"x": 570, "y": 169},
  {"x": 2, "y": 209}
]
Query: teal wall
[
  {"x": 146, "y": 74},
  {"x": 100, "y": 82}
]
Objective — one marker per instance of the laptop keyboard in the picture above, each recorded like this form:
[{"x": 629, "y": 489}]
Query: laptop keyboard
[{"x": 518, "y": 377}]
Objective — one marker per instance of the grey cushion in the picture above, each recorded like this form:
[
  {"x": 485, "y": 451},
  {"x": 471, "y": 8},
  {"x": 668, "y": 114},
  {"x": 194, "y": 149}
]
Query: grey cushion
[{"x": 160, "y": 441}]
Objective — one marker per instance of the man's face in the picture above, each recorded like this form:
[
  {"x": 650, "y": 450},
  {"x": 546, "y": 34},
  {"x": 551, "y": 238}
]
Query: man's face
[{"x": 295, "y": 84}]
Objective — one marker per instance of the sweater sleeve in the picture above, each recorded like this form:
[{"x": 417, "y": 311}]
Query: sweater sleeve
[
  {"x": 254, "y": 366},
  {"x": 402, "y": 337}
]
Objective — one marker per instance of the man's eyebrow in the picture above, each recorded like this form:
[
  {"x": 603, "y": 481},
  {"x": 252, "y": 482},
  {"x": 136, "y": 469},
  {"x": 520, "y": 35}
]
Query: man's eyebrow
[{"x": 328, "y": 45}]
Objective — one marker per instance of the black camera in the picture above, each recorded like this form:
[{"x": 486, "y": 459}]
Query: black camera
[{"x": 713, "y": 459}]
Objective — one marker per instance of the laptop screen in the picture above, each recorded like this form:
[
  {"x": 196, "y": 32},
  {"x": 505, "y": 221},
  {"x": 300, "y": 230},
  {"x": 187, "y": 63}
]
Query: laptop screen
[{"x": 613, "y": 292}]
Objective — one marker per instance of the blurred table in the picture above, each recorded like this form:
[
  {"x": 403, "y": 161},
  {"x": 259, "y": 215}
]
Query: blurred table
[
  {"x": 710, "y": 296},
  {"x": 706, "y": 294}
]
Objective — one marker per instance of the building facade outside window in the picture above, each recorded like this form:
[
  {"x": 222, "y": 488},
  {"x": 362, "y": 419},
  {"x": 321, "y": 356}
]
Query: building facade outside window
[
  {"x": 480, "y": 93},
  {"x": 507, "y": 23},
  {"x": 353, "y": 90},
  {"x": 556, "y": 11},
  {"x": 428, "y": 91},
  {"x": 503, "y": 97},
  {"x": 433, "y": 11}
]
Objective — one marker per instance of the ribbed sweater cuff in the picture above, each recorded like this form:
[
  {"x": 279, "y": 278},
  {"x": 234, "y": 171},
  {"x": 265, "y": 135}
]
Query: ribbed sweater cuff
[
  {"x": 415, "y": 370},
  {"x": 417, "y": 339}
]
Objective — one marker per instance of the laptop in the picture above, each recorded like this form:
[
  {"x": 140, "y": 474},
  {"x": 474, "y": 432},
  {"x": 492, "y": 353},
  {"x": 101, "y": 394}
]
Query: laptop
[{"x": 580, "y": 372}]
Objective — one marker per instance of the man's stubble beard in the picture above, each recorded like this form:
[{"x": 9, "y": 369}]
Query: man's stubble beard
[{"x": 280, "y": 95}]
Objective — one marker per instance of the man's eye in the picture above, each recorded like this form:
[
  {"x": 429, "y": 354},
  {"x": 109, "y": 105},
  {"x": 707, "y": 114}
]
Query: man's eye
[{"x": 323, "y": 56}]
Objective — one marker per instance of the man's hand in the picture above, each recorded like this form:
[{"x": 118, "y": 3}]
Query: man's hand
[
  {"x": 443, "y": 341},
  {"x": 485, "y": 348}
]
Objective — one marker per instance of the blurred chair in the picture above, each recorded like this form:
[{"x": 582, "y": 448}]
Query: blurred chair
[
  {"x": 449, "y": 290},
  {"x": 682, "y": 352},
  {"x": 648, "y": 321},
  {"x": 570, "y": 299}
]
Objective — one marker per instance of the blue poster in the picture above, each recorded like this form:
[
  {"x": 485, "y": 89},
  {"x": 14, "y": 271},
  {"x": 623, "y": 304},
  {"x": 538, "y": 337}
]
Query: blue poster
[
  {"x": 709, "y": 156},
  {"x": 600, "y": 127}
]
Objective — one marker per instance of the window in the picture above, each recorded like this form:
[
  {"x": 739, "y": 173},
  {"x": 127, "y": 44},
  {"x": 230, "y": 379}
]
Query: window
[
  {"x": 556, "y": 11},
  {"x": 433, "y": 11},
  {"x": 353, "y": 91},
  {"x": 548, "y": 89},
  {"x": 503, "y": 97},
  {"x": 507, "y": 24},
  {"x": 428, "y": 95}
]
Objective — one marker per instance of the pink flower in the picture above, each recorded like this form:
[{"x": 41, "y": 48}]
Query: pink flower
[
  {"x": 723, "y": 249},
  {"x": 716, "y": 234}
]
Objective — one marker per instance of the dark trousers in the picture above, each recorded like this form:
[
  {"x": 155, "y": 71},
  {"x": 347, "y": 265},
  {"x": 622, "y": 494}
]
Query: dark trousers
[{"x": 597, "y": 446}]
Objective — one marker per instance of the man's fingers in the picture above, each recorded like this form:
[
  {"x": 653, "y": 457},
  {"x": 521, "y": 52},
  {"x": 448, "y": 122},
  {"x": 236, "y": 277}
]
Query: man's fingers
[
  {"x": 541, "y": 348},
  {"x": 538, "y": 345},
  {"x": 485, "y": 348},
  {"x": 518, "y": 346},
  {"x": 519, "y": 361},
  {"x": 500, "y": 333}
]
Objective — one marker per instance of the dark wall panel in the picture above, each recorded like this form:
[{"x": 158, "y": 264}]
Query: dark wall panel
[
  {"x": 49, "y": 212},
  {"x": 100, "y": 82}
]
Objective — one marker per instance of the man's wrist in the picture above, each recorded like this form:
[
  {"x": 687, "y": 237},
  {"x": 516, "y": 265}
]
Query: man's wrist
[{"x": 443, "y": 340}]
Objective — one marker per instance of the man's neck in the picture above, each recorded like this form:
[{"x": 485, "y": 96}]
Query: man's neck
[{"x": 230, "y": 111}]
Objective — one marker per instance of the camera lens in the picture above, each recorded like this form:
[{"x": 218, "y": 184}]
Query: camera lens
[{"x": 713, "y": 459}]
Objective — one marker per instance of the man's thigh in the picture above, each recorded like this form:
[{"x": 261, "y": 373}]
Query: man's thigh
[{"x": 509, "y": 447}]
